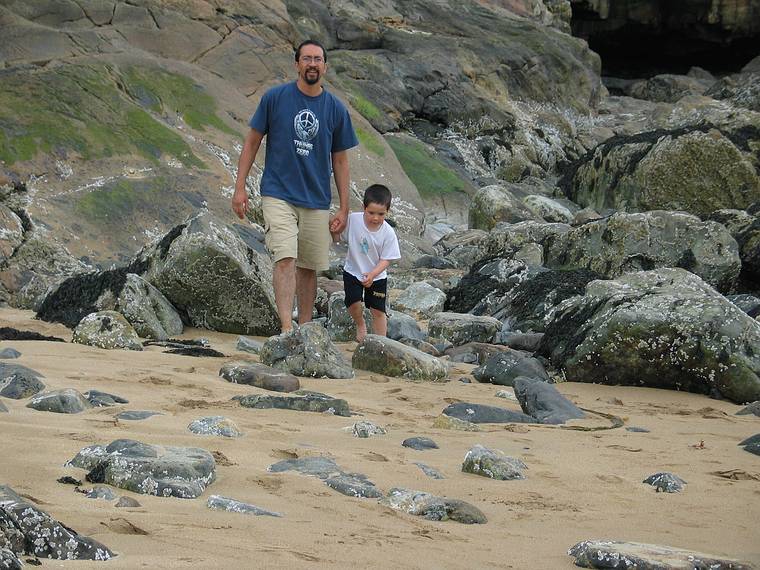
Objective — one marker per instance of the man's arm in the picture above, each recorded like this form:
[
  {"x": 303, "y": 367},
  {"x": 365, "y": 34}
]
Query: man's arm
[
  {"x": 341, "y": 174},
  {"x": 247, "y": 157}
]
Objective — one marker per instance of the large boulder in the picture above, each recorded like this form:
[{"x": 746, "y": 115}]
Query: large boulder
[
  {"x": 421, "y": 300},
  {"x": 665, "y": 329},
  {"x": 147, "y": 310},
  {"x": 498, "y": 203},
  {"x": 67, "y": 401},
  {"x": 544, "y": 402},
  {"x": 392, "y": 358},
  {"x": 744, "y": 227},
  {"x": 106, "y": 329},
  {"x": 504, "y": 367},
  {"x": 459, "y": 328}
]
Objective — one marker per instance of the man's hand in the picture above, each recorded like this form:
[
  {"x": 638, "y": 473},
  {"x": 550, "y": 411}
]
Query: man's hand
[
  {"x": 338, "y": 221},
  {"x": 240, "y": 203}
]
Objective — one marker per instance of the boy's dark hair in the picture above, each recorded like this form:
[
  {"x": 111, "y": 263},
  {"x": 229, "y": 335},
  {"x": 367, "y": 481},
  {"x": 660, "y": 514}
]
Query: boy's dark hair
[
  {"x": 311, "y": 43},
  {"x": 378, "y": 194}
]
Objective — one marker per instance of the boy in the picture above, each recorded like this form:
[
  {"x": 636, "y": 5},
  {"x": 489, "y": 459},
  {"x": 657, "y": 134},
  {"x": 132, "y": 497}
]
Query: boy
[{"x": 372, "y": 244}]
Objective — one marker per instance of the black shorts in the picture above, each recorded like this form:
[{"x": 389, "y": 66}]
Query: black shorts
[{"x": 374, "y": 297}]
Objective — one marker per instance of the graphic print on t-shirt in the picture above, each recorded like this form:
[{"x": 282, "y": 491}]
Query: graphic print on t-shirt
[
  {"x": 365, "y": 245},
  {"x": 306, "y": 125}
]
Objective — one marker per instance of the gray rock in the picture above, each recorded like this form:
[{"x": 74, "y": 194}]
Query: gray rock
[
  {"x": 544, "y": 402},
  {"x": 301, "y": 401},
  {"x": 635, "y": 429},
  {"x": 433, "y": 262},
  {"x": 613, "y": 554},
  {"x": 9, "y": 561},
  {"x": 419, "y": 443},
  {"x": 747, "y": 303},
  {"x": 665, "y": 482},
  {"x": 219, "y": 503},
  {"x": 100, "y": 399},
  {"x": 88, "y": 457},
  {"x": 460, "y": 328},
  {"x": 215, "y": 425},
  {"x": 548, "y": 209},
  {"x": 402, "y": 326},
  {"x": 392, "y": 358},
  {"x": 354, "y": 485},
  {"x": 753, "y": 408},
  {"x": 20, "y": 383},
  {"x": 106, "y": 329},
  {"x": 249, "y": 345},
  {"x": 105, "y": 493},
  {"x": 306, "y": 351},
  {"x": 504, "y": 367},
  {"x": 528, "y": 342},
  {"x": 753, "y": 448},
  {"x": 3, "y": 409},
  {"x": 182, "y": 472},
  {"x": 461, "y": 247},
  {"x": 127, "y": 502},
  {"x": 421, "y": 300},
  {"x": 67, "y": 401},
  {"x": 9, "y": 353},
  {"x": 28, "y": 530},
  {"x": 321, "y": 467},
  {"x": 473, "y": 352},
  {"x": 494, "y": 464},
  {"x": 482, "y": 414},
  {"x": 136, "y": 415},
  {"x": 365, "y": 429},
  {"x": 259, "y": 375},
  {"x": 340, "y": 325},
  {"x": 700, "y": 341},
  {"x": 147, "y": 310},
  {"x": 498, "y": 203},
  {"x": 507, "y": 395},
  {"x": 422, "y": 346},
  {"x": 431, "y": 507},
  {"x": 667, "y": 88},
  {"x": 430, "y": 471},
  {"x": 753, "y": 439}
]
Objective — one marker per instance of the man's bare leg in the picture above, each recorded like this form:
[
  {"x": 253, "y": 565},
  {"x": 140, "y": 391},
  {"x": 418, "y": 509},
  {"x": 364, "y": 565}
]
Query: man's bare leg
[
  {"x": 379, "y": 322},
  {"x": 284, "y": 282},
  {"x": 356, "y": 310},
  {"x": 306, "y": 291}
]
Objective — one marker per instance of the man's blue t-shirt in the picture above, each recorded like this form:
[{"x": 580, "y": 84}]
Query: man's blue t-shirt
[{"x": 302, "y": 133}]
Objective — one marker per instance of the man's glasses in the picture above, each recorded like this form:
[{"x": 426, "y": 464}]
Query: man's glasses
[{"x": 312, "y": 59}]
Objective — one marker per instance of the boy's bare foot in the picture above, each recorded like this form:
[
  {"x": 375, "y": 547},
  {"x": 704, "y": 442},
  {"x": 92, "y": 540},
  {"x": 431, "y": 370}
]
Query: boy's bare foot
[{"x": 361, "y": 332}]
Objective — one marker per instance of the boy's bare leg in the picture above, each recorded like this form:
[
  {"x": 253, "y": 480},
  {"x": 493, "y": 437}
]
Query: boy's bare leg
[
  {"x": 356, "y": 310},
  {"x": 379, "y": 322},
  {"x": 284, "y": 282},
  {"x": 306, "y": 291}
]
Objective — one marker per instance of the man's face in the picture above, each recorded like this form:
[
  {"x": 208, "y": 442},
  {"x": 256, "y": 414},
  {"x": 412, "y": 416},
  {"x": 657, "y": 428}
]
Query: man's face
[{"x": 311, "y": 64}]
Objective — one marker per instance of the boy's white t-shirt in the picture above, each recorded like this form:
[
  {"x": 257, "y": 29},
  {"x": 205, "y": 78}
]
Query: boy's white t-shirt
[{"x": 366, "y": 248}]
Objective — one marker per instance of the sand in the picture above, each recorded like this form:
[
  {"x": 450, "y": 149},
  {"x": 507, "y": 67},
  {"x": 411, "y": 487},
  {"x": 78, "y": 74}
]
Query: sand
[{"x": 580, "y": 484}]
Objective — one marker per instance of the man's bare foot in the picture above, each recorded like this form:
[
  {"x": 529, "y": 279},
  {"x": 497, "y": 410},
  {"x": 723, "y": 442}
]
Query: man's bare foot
[{"x": 361, "y": 332}]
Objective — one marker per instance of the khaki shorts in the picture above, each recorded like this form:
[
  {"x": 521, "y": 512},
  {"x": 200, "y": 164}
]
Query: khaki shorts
[{"x": 301, "y": 233}]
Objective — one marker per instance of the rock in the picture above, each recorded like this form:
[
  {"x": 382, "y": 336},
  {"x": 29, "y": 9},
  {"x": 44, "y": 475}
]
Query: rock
[
  {"x": 105, "y": 493},
  {"x": 127, "y": 502},
  {"x": 302, "y": 401},
  {"x": 422, "y": 346},
  {"x": 751, "y": 440},
  {"x": 392, "y": 358},
  {"x": 462, "y": 328},
  {"x": 321, "y": 467},
  {"x": 434, "y": 508},
  {"x": 67, "y": 401},
  {"x": 544, "y": 402},
  {"x": 433, "y": 262},
  {"x": 340, "y": 325},
  {"x": 745, "y": 229},
  {"x": 527, "y": 342},
  {"x": 28, "y": 530},
  {"x": 259, "y": 375},
  {"x": 753, "y": 448},
  {"x": 100, "y": 399},
  {"x": 635, "y": 429},
  {"x": 147, "y": 310},
  {"x": 473, "y": 352},
  {"x": 753, "y": 408},
  {"x": 136, "y": 415},
  {"x": 354, "y": 485},
  {"x": 401, "y": 326},
  {"x": 503, "y": 367},
  {"x": 493, "y": 464},
  {"x": 106, "y": 329},
  {"x": 507, "y": 395},
  {"x": 9, "y": 561},
  {"x": 365, "y": 429},
  {"x": 249, "y": 345},
  {"x": 9, "y": 353},
  {"x": 461, "y": 246},
  {"x": 482, "y": 414},
  {"x": 741, "y": 90},
  {"x": 218, "y": 503},
  {"x": 747, "y": 303},
  {"x": 447, "y": 422},
  {"x": 700, "y": 341},
  {"x": 421, "y": 300},
  {"x": 498, "y": 203},
  {"x": 3, "y": 408},
  {"x": 182, "y": 472},
  {"x": 19, "y": 382},
  {"x": 306, "y": 351},
  {"x": 613, "y": 554},
  {"x": 548, "y": 209},
  {"x": 430, "y": 471},
  {"x": 667, "y": 88},
  {"x": 665, "y": 482},
  {"x": 420, "y": 443},
  {"x": 215, "y": 425}
]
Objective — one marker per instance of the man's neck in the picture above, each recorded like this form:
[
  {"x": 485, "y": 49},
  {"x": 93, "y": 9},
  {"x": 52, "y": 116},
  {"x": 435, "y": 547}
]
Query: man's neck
[{"x": 310, "y": 90}]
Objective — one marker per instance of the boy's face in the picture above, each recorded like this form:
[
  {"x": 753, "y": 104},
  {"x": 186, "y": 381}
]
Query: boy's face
[{"x": 374, "y": 215}]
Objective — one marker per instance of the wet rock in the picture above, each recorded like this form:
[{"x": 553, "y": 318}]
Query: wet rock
[
  {"x": 306, "y": 351},
  {"x": 19, "y": 382},
  {"x": 494, "y": 464},
  {"x": 249, "y": 345},
  {"x": 752, "y": 440},
  {"x": 401, "y": 326},
  {"x": 9, "y": 561},
  {"x": 503, "y": 368},
  {"x": 137, "y": 415},
  {"x": 421, "y": 345},
  {"x": 29, "y": 530},
  {"x": 9, "y": 353},
  {"x": 100, "y": 399},
  {"x": 321, "y": 467},
  {"x": 182, "y": 472},
  {"x": 473, "y": 352},
  {"x": 199, "y": 351},
  {"x": 482, "y": 414},
  {"x": 753, "y": 409},
  {"x": 67, "y": 401},
  {"x": 259, "y": 375},
  {"x": 127, "y": 502},
  {"x": 430, "y": 471},
  {"x": 665, "y": 482},
  {"x": 365, "y": 429},
  {"x": 69, "y": 480},
  {"x": 612, "y": 554},
  {"x": 301, "y": 401},
  {"x": 747, "y": 303},
  {"x": 459, "y": 328},
  {"x": 106, "y": 329},
  {"x": 354, "y": 485},
  {"x": 392, "y": 358},
  {"x": 421, "y": 300},
  {"x": 544, "y": 402},
  {"x": 527, "y": 342},
  {"x": 340, "y": 325},
  {"x": 215, "y": 425},
  {"x": 431, "y": 507},
  {"x": 420, "y": 443},
  {"x": 105, "y": 493},
  {"x": 147, "y": 310},
  {"x": 219, "y": 503}
]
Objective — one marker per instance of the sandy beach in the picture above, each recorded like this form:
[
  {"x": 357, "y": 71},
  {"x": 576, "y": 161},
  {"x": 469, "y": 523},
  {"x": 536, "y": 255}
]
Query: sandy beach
[{"x": 581, "y": 483}]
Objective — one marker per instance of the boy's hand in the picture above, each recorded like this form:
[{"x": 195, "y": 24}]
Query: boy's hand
[{"x": 367, "y": 280}]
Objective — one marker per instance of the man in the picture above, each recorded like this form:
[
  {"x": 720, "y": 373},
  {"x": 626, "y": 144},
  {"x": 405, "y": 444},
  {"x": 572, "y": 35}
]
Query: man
[{"x": 308, "y": 132}]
